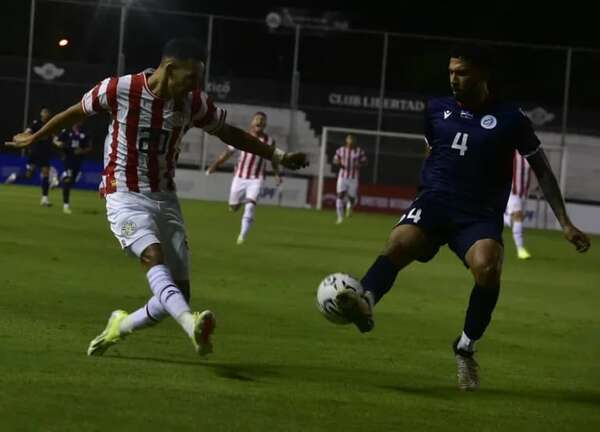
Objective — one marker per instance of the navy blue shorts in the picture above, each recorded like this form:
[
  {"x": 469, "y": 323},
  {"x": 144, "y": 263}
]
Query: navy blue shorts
[
  {"x": 39, "y": 158},
  {"x": 447, "y": 224}
]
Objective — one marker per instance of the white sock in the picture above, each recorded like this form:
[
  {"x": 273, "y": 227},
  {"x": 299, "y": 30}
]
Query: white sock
[
  {"x": 148, "y": 315},
  {"x": 507, "y": 219},
  {"x": 465, "y": 343},
  {"x": 45, "y": 198},
  {"x": 517, "y": 230},
  {"x": 170, "y": 297},
  {"x": 247, "y": 219},
  {"x": 339, "y": 204}
]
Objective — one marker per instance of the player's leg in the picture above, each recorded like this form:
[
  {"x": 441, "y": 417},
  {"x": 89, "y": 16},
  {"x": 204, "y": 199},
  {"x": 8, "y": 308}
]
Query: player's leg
[
  {"x": 45, "y": 173},
  {"x": 515, "y": 209},
  {"x": 340, "y": 190},
  {"x": 67, "y": 182},
  {"x": 351, "y": 196},
  {"x": 236, "y": 193},
  {"x": 176, "y": 254},
  {"x": 410, "y": 240},
  {"x": 133, "y": 221},
  {"x": 252, "y": 194},
  {"x": 479, "y": 245}
]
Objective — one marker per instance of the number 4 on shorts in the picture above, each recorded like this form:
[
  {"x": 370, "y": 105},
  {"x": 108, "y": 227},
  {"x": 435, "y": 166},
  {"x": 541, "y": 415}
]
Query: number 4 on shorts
[{"x": 414, "y": 214}]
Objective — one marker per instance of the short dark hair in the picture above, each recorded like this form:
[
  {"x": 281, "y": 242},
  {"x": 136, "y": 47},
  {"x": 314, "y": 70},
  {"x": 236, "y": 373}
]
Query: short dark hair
[
  {"x": 476, "y": 55},
  {"x": 260, "y": 113},
  {"x": 184, "y": 49}
]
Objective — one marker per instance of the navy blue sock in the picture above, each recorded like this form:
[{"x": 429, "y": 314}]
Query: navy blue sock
[
  {"x": 66, "y": 193},
  {"x": 479, "y": 313},
  {"x": 45, "y": 186},
  {"x": 380, "y": 277}
]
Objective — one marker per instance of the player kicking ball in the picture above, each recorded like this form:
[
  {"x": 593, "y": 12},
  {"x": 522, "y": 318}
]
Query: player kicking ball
[
  {"x": 148, "y": 112},
  {"x": 465, "y": 183},
  {"x": 248, "y": 176}
]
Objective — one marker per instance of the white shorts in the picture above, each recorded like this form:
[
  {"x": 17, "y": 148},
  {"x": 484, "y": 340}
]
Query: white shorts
[
  {"x": 515, "y": 204},
  {"x": 350, "y": 186},
  {"x": 139, "y": 220},
  {"x": 243, "y": 190}
]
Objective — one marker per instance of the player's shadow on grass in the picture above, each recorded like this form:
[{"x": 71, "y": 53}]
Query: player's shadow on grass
[
  {"x": 250, "y": 372},
  {"x": 450, "y": 392}
]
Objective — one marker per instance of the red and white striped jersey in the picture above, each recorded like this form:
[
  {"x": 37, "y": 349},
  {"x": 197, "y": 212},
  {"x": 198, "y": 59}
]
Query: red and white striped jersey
[
  {"x": 145, "y": 131},
  {"x": 249, "y": 165},
  {"x": 350, "y": 161},
  {"x": 521, "y": 176}
]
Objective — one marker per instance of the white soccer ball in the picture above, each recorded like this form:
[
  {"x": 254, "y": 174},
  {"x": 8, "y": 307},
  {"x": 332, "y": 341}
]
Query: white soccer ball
[{"x": 328, "y": 290}]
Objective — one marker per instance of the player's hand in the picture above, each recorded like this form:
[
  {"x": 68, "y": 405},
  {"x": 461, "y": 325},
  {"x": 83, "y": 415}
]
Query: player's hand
[
  {"x": 294, "y": 161},
  {"x": 21, "y": 140},
  {"x": 578, "y": 238}
]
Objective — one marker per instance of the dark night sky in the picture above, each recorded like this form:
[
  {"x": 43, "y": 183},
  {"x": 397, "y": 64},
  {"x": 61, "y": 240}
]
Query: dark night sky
[{"x": 548, "y": 22}]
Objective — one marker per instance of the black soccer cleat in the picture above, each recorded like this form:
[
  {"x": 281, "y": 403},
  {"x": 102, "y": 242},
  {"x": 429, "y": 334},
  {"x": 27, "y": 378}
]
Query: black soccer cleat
[{"x": 356, "y": 309}]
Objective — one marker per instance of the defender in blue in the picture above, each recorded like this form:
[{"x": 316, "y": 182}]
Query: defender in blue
[{"x": 465, "y": 184}]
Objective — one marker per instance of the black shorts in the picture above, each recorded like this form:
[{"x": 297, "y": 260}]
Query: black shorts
[
  {"x": 452, "y": 224},
  {"x": 39, "y": 158}
]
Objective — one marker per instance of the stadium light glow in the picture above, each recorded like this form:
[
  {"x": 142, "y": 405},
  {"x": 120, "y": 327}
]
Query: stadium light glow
[{"x": 63, "y": 42}]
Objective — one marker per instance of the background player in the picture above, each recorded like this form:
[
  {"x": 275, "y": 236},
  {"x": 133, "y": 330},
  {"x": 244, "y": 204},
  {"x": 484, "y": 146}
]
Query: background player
[
  {"x": 248, "y": 175},
  {"x": 75, "y": 144},
  {"x": 465, "y": 183},
  {"x": 349, "y": 158},
  {"x": 38, "y": 156},
  {"x": 515, "y": 208},
  {"x": 149, "y": 110}
]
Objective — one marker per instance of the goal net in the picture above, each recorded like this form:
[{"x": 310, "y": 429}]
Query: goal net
[{"x": 388, "y": 181}]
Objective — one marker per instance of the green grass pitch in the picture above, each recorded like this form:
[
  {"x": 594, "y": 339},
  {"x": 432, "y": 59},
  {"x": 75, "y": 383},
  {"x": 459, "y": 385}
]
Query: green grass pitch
[{"x": 278, "y": 365}]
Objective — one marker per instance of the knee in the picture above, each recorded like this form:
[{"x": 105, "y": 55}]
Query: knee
[
  {"x": 486, "y": 270},
  {"x": 152, "y": 256}
]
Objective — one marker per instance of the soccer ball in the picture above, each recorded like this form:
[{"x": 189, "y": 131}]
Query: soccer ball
[{"x": 328, "y": 290}]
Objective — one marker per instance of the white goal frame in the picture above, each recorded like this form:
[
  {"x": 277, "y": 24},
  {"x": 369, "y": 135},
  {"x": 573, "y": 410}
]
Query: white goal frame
[{"x": 323, "y": 153}]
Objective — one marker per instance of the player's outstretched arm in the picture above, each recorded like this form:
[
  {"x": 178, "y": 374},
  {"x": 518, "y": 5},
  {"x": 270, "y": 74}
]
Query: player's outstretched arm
[
  {"x": 547, "y": 181},
  {"x": 220, "y": 161},
  {"x": 242, "y": 140},
  {"x": 62, "y": 120}
]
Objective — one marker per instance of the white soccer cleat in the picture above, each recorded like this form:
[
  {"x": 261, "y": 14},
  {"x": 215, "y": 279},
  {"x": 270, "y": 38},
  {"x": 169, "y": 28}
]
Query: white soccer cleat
[
  {"x": 45, "y": 202},
  {"x": 109, "y": 336},
  {"x": 11, "y": 178},
  {"x": 240, "y": 240},
  {"x": 467, "y": 369},
  {"x": 204, "y": 326},
  {"x": 339, "y": 221},
  {"x": 67, "y": 210}
]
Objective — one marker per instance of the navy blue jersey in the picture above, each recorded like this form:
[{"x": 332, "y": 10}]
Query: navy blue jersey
[
  {"x": 471, "y": 153},
  {"x": 43, "y": 146},
  {"x": 73, "y": 140}
]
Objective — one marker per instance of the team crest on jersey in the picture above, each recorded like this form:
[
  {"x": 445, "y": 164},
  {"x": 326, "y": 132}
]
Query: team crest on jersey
[
  {"x": 447, "y": 114},
  {"x": 488, "y": 122},
  {"x": 128, "y": 228}
]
